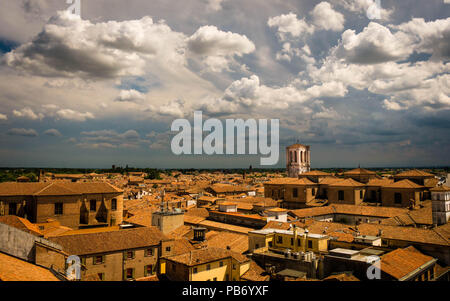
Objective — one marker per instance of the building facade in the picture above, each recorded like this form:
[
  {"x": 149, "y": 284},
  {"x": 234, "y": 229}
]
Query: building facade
[
  {"x": 298, "y": 159},
  {"x": 74, "y": 205}
]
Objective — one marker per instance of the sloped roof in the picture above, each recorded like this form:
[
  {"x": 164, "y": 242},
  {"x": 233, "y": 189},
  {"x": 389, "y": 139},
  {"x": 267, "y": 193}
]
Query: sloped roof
[
  {"x": 280, "y": 181},
  {"x": 329, "y": 180},
  {"x": 301, "y": 181},
  {"x": 255, "y": 273},
  {"x": 14, "y": 269},
  {"x": 315, "y": 173},
  {"x": 236, "y": 242},
  {"x": 442, "y": 188},
  {"x": 379, "y": 182},
  {"x": 346, "y": 183},
  {"x": 414, "y": 173},
  {"x": 349, "y": 209},
  {"x": 412, "y": 234},
  {"x": 297, "y": 145},
  {"x": 102, "y": 242},
  {"x": 400, "y": 262},
  {"x": 21, "y": 224},
  {"x": 341, "y": 277},
  {"x": 205, "y": 255},
  {"x": 404, "y": 184}
]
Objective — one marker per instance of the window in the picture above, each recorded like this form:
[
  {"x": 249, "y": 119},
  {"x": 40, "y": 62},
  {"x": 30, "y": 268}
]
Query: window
[
  {"x": 270, "y": 244},
  {"x": 310, "y": 244},
  {"x": 208, "y": 267},
  {"x": 114, "y": 204},
  {"x": 234, "y": 266},
  {"x": 313, "y": 191},
  {"x": 398, "y": 198},
  {"x": 149, "y": 270},
  {"x": 129, "y": 274},
  {"x": 130, "y": 254},
  {"x": 195, "y": 270},
  {"x": 58, "y": 208},
  {"x": 279, "y": 239},
  {"x": 12, "y": 208},
  {"x": 292, "y": 241},
  {"x": 99, "y": 259},
  {"x": 167, "y": 249},
  {"x": 101, "y": 276},
  {"x": 92, "y": 205},
  {"x": 149, "y": 252},
  {"x": 341, "y": 195},
  {"x": 360, "y": 194},
  {"x": 221, "y": 264},
  {"x": 299, "y": 242},
  {"x": 295, "y": 193}
]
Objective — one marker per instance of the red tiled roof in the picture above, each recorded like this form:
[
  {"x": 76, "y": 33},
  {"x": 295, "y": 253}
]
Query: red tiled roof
[
  {"x": 20, "y": 223},
  {"x": 399, "y": 263},
  {"x": 359, "y": 171},
  {"x": 201, "y": 256},
  {"x": 14, "y": 269},
  {"x": 414, "y": 173},
  {"x": 403, "y": 184}
]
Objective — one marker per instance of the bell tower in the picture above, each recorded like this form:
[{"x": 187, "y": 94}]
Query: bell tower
[{"x": 298, "y": 159}]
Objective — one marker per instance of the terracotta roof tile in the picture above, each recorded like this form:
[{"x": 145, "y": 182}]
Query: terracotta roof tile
[
  {"x": 403, "y": 184},
  {"x": 414, "y": 173},
  {"x": 14, "y": 269},
  {"x": 21, "y": 223},
  {"x": 201, "y": 256},
  {"x": 401, "y": 262},
  {"x": 101, "y": 242},
  {"x": 359, "y": 171}
]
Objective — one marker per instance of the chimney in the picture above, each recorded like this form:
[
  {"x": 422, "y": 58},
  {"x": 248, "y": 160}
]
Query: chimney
[{"x": 199, "y": 234}]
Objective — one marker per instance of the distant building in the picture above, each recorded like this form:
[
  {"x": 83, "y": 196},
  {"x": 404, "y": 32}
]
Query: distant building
[
  {"x": 115, "y": 254},
  {"x": 417, "y": 176},
  {"x": 404, "y": 193},
  {"x": 74, "y": 205},
  {"x": 298, "y": 159},
  {"x": 207, "y": 264},
  {"x": 165, "y": 219},
  {"x": 296, "y": 240},
  {"x": 440, "y": 197},
  {"x": 360, "y": 174}
]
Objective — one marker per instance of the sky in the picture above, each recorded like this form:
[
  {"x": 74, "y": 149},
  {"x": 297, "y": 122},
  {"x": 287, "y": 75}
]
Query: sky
[{"x": 360, "y": 85}]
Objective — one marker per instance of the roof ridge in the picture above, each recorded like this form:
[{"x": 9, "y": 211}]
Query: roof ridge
[
  {"x": 47, "y": 186},
  {"x": 439, "y": 234}
]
